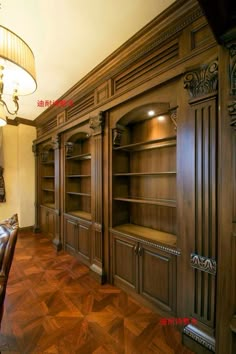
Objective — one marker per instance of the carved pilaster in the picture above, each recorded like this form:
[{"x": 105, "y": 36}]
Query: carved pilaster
[
  {"x": 202, "y": 87},
  {"x": 203, "y": 81},
  {"x": 232, "y": 68},
  {"x": 96, "y": 123}
]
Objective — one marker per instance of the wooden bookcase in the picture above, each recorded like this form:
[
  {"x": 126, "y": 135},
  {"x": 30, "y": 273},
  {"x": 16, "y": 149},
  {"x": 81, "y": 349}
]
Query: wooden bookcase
[
  {"x": 47, "y": 190},
  {"x": 78, "y": 177},
  {"x": 144, "y": 181},
  {"x": 77, "y": 206},
  {"x": 48, "y": 178},
  {"x": 143, "y": 229}
]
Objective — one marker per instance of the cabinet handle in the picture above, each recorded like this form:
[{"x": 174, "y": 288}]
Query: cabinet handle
[
  {"x": 140, "y": 251},
  {"x": 136, "y": 249}
]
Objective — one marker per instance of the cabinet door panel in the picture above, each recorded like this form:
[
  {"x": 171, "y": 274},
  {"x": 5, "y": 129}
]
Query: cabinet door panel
[
  {"x": 71, "y": 232},
  {"x": 43, "y": 221},
  {"x": 84, "y": 241},
  {"x": 157, "y": 274},
  {"x": 51, "y": 224},
  {"x": 124, "y": 262}
]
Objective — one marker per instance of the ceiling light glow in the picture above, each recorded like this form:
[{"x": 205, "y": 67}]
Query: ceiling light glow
[{"x": 151, "y": 113}]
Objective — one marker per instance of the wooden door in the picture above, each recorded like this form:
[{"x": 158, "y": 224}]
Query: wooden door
[
  {"x": 125, "y": 265},
  {"x": 84, "y": 242},
  {"x": 51, "y": 224},
  {"x": 71, "y": 234},
  {"x": 157, "y": 276},
  {"x": 43, "y": 220}
]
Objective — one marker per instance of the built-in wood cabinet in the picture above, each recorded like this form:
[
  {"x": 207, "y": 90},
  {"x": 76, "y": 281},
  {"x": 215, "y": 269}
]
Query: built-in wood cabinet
[
  {"x": 47, "y": 190},
  {"x": 48, "y": 178},
  {"x": 144, "y": 176},
  {"x": 146, "y": 270},
  {"x": 47, "y": 221},
  {"x": 78, "y": 175},
  {"x": 143, "y": 201},
  {"x": 77, "y": 238},
  {"x": 137, "y": 179},
  {"x": 77, "y": 193}
]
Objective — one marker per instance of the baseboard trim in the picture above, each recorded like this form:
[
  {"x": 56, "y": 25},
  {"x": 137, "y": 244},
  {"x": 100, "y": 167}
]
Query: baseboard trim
[{"x": 27, "y": 229}]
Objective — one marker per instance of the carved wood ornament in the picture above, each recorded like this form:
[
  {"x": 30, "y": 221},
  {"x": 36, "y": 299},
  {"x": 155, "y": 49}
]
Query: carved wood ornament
[
  {"x": 232, "y": 69},
  {"x": 202, "y": 81},
  {"x": 56, "y": 142},
  {"x": 232, "y": 112},
  {"x": 96, "y": 123},
  {"x": 203, "y": 263}
]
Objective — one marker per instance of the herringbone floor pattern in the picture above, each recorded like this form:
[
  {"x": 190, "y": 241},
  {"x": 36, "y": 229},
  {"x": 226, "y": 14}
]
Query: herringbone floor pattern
[{"x": 54, "y": 306}]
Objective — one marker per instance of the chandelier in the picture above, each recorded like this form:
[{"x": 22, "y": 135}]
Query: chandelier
[{"x": 17, "y": 71}]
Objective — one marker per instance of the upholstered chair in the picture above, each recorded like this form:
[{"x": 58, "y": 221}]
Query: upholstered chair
[{"x": 8, "y": 237}]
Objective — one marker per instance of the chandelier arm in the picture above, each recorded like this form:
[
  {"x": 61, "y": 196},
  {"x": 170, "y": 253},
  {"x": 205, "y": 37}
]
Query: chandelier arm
[{"x": 15, "y": 100}]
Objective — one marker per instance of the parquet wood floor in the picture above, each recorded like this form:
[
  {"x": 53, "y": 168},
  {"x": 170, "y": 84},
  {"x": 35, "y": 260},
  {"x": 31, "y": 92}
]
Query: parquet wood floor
[{"x": 54, "y": 306}]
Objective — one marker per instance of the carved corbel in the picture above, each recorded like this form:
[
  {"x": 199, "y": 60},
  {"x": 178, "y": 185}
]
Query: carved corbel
[
  {"x": 69, "y": 147},
  {"x": 56, "y": 142},
  {"x": 173, "y": 116},
  {"x": 117, "y": 135},
  {"x": 35, "y": 149},
  {"x": 202, "y": 81},
  {"x": 96, "y": 123},
  {"x": 44, "y": 156}
]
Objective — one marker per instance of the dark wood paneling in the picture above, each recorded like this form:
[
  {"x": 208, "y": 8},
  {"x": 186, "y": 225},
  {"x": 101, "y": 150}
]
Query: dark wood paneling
[
  {"x": 71, "y": 233},
  {"x": 125, "y": 262},
  {"x": 157, "y": 277},
  {"x": 84, "y": 240}
]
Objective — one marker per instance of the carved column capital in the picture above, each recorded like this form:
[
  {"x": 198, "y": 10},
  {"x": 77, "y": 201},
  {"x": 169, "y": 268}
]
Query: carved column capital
[
  {"x": 96, "y": 123},
  {"x": 202, "y": 81}
]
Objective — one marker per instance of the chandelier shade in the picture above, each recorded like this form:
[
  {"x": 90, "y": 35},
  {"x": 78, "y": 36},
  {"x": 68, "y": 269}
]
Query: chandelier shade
[{"x": 18, "y": 64}]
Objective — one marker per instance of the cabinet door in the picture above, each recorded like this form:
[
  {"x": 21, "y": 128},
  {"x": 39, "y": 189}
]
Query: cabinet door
[
  {"x": 43, "y": 221},
  {"x": 84, "y": 242},
  {"x": 157, "y": 276},
  {"x": 125, "y": 262},
  {"x": 71, "y": 234},
  {"x": 51, "y": 224}
]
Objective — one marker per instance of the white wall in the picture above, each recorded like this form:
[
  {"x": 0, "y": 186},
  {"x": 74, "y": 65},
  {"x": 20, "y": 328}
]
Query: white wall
[{"x": 19, "y": 173}]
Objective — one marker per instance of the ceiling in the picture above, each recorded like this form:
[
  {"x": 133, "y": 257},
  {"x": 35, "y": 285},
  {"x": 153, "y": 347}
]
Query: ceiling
[{"x": 70, "y": 37}]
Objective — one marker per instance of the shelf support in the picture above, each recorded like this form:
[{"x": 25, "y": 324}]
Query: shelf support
[{"x": 173, "y": 116}]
